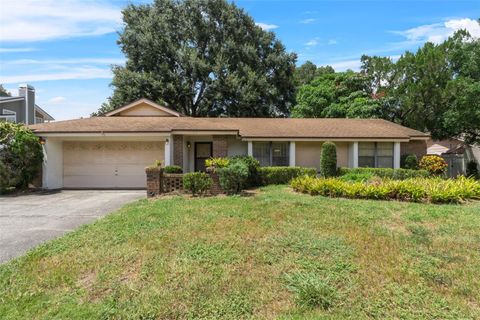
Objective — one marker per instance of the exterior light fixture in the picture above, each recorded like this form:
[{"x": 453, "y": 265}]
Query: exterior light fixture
[
  {"x": 189, "y": 145},
  {"x": 166, "y": 141}
]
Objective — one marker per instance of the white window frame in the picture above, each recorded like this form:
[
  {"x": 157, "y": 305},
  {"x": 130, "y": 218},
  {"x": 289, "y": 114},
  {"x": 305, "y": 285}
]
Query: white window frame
[{"x": 8, "y": 115}]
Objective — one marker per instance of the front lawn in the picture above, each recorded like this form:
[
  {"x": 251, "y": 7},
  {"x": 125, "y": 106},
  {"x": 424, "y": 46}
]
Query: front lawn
[{"x": 275, "y": 254}]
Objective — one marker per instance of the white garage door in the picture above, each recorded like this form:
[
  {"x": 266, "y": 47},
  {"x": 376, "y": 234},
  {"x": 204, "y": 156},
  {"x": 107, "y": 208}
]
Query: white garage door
[{"x": 108, "y": 164}]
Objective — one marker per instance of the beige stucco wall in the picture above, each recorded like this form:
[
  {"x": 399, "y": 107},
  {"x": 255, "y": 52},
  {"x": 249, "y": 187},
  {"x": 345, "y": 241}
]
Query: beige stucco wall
[
  {"x": 307, "y": 154},
  {"x": 144, "y": 109}
]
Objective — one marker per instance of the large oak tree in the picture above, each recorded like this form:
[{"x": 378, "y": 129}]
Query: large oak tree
[{"x": 202, "y": 58}]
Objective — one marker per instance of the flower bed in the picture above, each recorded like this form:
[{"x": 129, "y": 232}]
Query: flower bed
[{"x": 433, "y": 190}]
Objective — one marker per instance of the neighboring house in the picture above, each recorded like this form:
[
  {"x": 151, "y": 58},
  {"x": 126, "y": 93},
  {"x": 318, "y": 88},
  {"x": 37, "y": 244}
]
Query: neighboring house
[
  {"x": 22, "y": 109},
  {"x": 113, "y": 151},
  {"x": 456, "y": 152}
]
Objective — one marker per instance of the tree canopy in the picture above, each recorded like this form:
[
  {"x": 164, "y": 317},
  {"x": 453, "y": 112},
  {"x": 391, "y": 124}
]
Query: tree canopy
[
  {"x": 336, "y": 95},
  {"x": 3, "y": 92},
  {"x": 202, "y": 58},
  {"x": 435, "y": 89}
]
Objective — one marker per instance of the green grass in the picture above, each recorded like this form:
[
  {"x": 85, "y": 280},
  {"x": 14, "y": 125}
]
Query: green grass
[{"x": 277, "y": 254}]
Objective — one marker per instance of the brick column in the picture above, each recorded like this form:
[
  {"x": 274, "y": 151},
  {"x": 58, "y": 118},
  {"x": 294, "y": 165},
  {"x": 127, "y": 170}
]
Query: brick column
[
  {"x": 178, "y": 150},
  {"x": 220, "y": 146},
  {"x": 154, "y": 187},
  {"x": 215, "y": 188}
]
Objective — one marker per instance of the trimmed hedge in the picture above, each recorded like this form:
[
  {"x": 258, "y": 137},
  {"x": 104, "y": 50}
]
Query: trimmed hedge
[
  {"x": 395, "y": 174},
  {"x": 173, "y": 169},
  {"x": 435, "y": 190},
  {"x": 283, "y": 175}
]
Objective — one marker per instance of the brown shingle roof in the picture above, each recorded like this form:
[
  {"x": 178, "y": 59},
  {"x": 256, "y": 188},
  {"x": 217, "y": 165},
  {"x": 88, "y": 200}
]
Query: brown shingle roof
[{"x": 246, "y": 127}]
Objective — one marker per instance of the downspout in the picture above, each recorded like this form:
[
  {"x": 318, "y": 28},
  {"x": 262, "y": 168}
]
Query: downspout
[{"x": 26, "y": 104}]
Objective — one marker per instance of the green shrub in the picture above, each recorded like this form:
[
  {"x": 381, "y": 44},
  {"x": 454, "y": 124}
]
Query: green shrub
[
  {"x": 173, "y": 169},
  {"x": 410, "y": 161},
  {"x": 328, "y": 160},
  {"x": 217, "y": 162},
  {"x": 21, "y": 156},
  {"x": 234, "y": 177},
  {"x": 254, "y": 179},
  {"x": 435, "y": 190},
  {"x": 283, "y": 175},
  {"x": 395, "y": 174},
  {"x": 436, "y": 165},
  {"x": 197, "y": 182},
  {"x": 472, "y": 169}
]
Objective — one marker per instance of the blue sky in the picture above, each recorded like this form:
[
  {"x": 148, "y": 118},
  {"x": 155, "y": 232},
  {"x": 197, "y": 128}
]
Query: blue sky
[{"x": 65, "y": 48}]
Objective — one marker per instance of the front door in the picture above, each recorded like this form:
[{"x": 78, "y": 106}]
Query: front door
[{"x": 203, "y": 151}]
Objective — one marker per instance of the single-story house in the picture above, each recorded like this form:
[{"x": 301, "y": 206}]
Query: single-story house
[
  {"x": 112, "y": 151},
  {"x": 22, "y": 108}
]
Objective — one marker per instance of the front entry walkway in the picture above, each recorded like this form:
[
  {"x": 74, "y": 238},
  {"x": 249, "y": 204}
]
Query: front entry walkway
[{"x": 28, "y": 220}]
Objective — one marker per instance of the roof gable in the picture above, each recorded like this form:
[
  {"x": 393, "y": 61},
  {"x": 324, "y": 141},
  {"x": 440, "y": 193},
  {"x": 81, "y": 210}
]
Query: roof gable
[{"x": 143, "y": 108}]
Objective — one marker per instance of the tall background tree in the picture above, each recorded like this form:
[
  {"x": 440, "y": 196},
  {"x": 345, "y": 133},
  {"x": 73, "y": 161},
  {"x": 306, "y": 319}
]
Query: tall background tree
[
  {"x": 3, "y": 92},
  {"x": 202, "y": 58},
  {"x": 435, "y": 89}
]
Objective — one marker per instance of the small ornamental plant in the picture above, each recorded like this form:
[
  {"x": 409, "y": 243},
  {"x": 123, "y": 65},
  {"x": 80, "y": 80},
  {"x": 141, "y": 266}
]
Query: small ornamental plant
[
  {"x": 173, "y": 169},
  {"x": 217, "y": 163},
  {"x": 435, "y": 165}
]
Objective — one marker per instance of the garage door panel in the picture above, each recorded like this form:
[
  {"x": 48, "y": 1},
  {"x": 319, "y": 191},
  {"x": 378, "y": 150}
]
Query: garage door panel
[
  {"x": 89, "y": 170},
  {"x": 109, "y": 164},
  {"x": 131, "y": 182}
]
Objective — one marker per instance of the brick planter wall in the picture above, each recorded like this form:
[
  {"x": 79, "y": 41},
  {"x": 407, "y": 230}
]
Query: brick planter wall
[
  {"x": 153, "y": 181},
  {"x": 159, "y": 182},
  {"x": 172, "y": 182}
]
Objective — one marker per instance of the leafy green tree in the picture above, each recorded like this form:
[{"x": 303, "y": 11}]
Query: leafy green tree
[
  {"x": 336, "y": 95},
  {"x": 436, "y": 89},
  {"x": 20, "y": 156},
  {"x": 3, "y": 92},
  {"x": 328, "y": 160},
  {"x": 202, "y": 58},
  {"x": 309, "y": 71}
]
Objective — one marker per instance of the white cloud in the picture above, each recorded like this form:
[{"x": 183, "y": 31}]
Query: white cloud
[
  {"x": 9, "y": 50},
  {"x": 308, "y": 21},
  {"x": 87, "y": 72},
  {"x": 57, "y": 100},
  {"x": 439, "y": 32},
  {"x": 345, "y": 65},
  {"x": 32, "y": 20},
  {"x": 312, "y": 43},
  {"x": 266, "y": 26},
  {"x": 332, "y": 42}
]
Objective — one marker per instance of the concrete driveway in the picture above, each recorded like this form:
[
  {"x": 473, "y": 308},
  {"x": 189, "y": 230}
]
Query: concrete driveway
[{"x": 28, "y": 220}]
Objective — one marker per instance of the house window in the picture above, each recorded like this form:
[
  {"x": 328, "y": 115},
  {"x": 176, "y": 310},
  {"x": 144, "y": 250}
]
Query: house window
[
  {"x": 38, "y": 120},
  {"x": 271, "y": 153},
  {"x": 375, "y": 154},
  {"x": 8, "y": 115}
]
